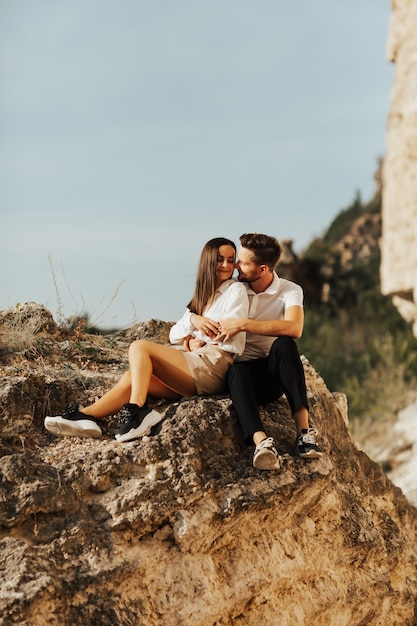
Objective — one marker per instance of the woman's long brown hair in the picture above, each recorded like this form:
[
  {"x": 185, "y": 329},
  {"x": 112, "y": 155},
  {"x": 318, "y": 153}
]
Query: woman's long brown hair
[{"x": 206, "y": 283}]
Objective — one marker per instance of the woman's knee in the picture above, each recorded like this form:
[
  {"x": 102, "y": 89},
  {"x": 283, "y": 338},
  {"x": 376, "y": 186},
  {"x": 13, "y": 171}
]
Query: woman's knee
[{"x": 139, "y": 345}]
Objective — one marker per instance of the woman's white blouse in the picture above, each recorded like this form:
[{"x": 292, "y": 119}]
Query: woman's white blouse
[{"x": 231, "y": 300}]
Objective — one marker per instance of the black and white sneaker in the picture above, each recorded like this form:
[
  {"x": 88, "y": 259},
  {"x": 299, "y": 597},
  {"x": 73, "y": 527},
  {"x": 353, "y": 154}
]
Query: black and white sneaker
[
  {"x": 136, "y": 421},
  {"x": 73, "y": 424},
  {"x": 266, "y": 455},
  {"x": 306, "y": 446}
]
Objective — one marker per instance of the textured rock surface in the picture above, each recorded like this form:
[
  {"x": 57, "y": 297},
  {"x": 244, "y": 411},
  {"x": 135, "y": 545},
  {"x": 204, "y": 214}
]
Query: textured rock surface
[
  {"x": 179, "y": 529},
  {"x": 393, "y": 444},
  {"x": 399, "y": 217}
]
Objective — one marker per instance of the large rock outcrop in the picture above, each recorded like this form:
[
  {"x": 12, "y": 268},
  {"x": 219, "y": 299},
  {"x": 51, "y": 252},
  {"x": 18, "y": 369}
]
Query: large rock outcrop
[
  {"x": 399, "y": 214},
  {"x": 179, "y": 528}
]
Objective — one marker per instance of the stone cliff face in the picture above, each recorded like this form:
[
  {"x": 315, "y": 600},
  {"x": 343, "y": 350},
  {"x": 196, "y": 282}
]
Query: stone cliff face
[
  {"x": 399, "y": 217},
  {"x": 179, "y": 529}
]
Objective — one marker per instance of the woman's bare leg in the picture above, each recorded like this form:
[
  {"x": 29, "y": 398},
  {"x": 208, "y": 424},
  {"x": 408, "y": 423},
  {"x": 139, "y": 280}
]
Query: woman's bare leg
[
  {"x": 166, "y": 364},
  {"x": 114, "y": 399},
  {"x": 159, "y": 390}
]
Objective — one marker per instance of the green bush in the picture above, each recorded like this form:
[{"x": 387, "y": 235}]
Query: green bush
[{"x": 356, "y": 339}]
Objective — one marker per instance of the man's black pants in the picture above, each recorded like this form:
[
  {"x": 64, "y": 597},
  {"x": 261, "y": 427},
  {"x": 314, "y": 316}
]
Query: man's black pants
[{"x": 258, "y": 381}]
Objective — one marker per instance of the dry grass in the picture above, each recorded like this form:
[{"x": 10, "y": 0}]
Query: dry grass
[{"x": 93, "y": 320}]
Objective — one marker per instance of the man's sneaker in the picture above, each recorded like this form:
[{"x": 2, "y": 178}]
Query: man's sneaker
[
  {"x": 266, "y": 456},
  {"x": 73, "y": 424},
  {"x": 136, "y": 421},
  {"x": 306, "y": 446}
]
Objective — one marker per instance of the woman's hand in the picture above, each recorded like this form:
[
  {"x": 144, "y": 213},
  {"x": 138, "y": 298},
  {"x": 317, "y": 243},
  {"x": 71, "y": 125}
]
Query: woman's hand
[
  {"x": 191, "y": 343},
  {"x": 205, "y": 325}
]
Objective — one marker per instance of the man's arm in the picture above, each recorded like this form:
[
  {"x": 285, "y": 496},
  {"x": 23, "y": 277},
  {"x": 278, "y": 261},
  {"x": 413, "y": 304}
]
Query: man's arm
[{"x": 292, "y": 325}]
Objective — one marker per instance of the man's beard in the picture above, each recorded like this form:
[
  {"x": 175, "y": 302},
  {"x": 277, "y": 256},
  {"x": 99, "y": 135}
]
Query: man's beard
[{"x": 247, "y": 279}]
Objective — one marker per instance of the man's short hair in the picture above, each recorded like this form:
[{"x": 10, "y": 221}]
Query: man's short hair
[{"x": 266, "y": 250}]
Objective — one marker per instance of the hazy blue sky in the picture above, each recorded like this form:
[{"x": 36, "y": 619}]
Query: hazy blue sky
[{"x": 134, "y": 131}]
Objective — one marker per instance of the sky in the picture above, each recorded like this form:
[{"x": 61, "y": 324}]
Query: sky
[{"x": 132, "y": 132}]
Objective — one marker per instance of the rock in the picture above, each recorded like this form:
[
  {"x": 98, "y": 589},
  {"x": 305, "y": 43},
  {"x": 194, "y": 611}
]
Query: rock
[
  {"x": 30, "y": 316},
  {"x": 395, "y": 449},
  {"x": 179, "y": 528}
]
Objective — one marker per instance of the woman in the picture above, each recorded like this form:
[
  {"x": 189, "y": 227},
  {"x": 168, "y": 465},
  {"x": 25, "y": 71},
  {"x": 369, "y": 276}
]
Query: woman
[{"x": 168, "y": 373}]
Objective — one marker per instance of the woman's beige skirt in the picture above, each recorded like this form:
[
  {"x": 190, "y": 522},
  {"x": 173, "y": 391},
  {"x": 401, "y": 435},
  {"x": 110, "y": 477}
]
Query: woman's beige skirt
[{"x": 208, "y": 366}]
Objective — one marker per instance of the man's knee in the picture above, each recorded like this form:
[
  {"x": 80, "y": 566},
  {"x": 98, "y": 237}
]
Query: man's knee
[{"x": 283, "y": 344}]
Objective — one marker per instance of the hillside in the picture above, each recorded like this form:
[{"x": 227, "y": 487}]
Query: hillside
[
  {"x": 178, "y": 528},
  {"x": 354, "y": 336}
]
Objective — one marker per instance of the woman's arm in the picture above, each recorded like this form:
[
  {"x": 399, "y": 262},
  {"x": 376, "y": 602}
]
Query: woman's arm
[
  {"x": 236, "y": 306},
  {"x": 190, "y": 324},
  {"x": 181, "y": 329},
  {"x": 231, "y": 303}
]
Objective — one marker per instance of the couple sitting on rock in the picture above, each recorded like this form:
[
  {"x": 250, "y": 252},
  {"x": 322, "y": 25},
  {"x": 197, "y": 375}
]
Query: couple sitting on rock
[{"x": 237, "y": 334}]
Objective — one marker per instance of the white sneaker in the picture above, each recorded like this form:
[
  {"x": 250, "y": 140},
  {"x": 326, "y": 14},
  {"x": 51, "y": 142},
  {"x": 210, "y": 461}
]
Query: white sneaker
[
  {"x": 306, "y": 445},
  {"x": 266, "y": 455},
  {"x": 73, "y": 424}
]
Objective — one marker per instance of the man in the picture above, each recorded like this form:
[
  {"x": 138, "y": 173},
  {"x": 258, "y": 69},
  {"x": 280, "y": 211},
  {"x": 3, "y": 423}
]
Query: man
[{"x": 270, "y": 365}]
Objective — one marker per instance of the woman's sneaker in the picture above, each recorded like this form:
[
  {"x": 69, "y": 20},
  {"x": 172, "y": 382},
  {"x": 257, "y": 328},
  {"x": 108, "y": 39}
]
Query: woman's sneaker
[
  {"x": 136, "y": 421},
  {"x": 266, "y": 456},
  {"x": 306, "y": 446},
  {"x": 73, "y": 424}
]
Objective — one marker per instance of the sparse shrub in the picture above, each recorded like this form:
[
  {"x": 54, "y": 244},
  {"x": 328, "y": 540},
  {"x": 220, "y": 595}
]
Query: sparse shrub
[{"x": 357, "y": 340}]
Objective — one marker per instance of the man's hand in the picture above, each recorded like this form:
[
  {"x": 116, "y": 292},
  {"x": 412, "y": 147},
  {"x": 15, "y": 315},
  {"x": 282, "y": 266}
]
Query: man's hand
[
  {"x": 229, "y": 327},
  {"x": 291, "y": 325}
]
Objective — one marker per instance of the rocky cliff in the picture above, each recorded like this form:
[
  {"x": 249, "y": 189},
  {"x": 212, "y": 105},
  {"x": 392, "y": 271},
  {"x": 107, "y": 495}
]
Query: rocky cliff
[
  {"x": 399, "y": 217},
  {"x": 179, "y": 528}
]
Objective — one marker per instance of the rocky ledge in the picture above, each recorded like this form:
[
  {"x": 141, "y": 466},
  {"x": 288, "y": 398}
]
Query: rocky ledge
[{"x": 178, "y": 529}]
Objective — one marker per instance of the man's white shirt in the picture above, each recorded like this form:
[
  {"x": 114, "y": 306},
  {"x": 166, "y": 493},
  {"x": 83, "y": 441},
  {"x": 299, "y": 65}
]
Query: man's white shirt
[{"x": 270, "y": 304}]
